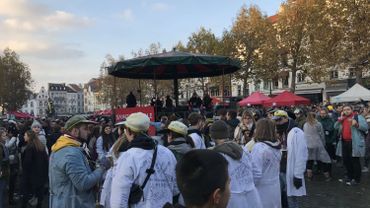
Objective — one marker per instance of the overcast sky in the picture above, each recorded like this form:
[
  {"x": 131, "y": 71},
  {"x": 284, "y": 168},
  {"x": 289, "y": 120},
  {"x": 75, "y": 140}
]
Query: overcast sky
[{"x": 67, "y": 40}]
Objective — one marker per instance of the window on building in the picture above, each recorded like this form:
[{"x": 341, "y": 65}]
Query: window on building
[
  {"x": 214, "y": 91},
  {"x": 40, "y": 103},
  {"x": 301, "y": 77},
  {"x": 257, "y": 86},
  {"x": 352, "y": 72},
  {"x": 227, "y": 91},
  {"x": 31, "y": 104},
  {"x": 334, "y": 74},
  {"x": 285, "y": 81},
  {"x": 266, "y": 85},
  {"x": 239, "y": 90},
  {"x": 276, "y": 84}
]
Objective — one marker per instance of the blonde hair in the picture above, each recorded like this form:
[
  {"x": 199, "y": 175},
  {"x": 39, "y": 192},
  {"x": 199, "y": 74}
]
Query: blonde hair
[
  {"x": 120, "y": 141},
  {"x": 311, "y": 118},
  {"x": 265, "y": 130}
]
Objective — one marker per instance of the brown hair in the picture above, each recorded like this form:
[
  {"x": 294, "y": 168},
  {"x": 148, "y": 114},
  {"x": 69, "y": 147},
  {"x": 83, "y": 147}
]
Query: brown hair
[
  {"x": 311, "y": 118},
  {"x": 265, "y": 130},
  {"x": 249, "y": 114},
  {"x": 194, "y": 118},
  {"x": 34, "y": 141},
  {"x": 2, "y": 130}
]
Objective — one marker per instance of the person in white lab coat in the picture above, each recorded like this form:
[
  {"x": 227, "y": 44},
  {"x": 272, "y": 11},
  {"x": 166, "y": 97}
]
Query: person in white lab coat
[
  {"x": 243, "y": 191},
  {"x": 196, "y": 124},
  {"x": 296, "y": 165},
  {"x": 115, "y": 151},
  {"x": 134, "y": 164},
  {"x": 266, "y": 156}
]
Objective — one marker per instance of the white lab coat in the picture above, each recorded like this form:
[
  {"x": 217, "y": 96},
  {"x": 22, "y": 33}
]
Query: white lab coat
[
  {"x": 296, "y": 162},
  {"x": 131, "y": 168},
  {"x": 243, "y": 191},
  {"x": 198, "y": 141},
  {"x": 266, "y": 168},
  {"x": 107, "y": 185}
]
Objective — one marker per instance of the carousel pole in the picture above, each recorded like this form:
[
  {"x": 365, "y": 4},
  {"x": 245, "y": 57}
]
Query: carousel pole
[
  {"x": 114, "y": 101},
  {"x": 156, "y": 98},
  {"x": 223, "y": 88},
  {"x": 176, "y": 91},
  {"x": 140, "y": 92}
]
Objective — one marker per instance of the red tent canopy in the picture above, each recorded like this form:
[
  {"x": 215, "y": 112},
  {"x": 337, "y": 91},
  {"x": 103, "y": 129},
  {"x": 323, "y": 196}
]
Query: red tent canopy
[
  {"x": 256, "y": 98},
  {"x": 18, "y": 114},
  {"x": 106, "y": 112},
  {"x": 215, "y": 100},
  {"x": 287, "y": 98}
]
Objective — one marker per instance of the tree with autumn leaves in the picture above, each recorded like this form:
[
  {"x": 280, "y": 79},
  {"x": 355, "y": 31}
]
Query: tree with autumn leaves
[
  {"x": 315, "y": 36},
  {"x": 15, "y": 81},
  {"x": 309, "y": 37}
]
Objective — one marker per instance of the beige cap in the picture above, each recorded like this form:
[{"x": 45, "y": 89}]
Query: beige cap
[
  {"x": 137, "y": 122},
  {"x": 178, "y": 127}
]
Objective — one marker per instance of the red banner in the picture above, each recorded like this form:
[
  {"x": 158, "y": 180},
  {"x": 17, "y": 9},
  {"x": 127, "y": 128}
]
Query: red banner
[{"x": 122, "y": 113}]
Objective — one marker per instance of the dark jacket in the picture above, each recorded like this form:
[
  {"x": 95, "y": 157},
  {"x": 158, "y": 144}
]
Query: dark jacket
[
  {"x": 179, "y": 147},
  {"x": 300, "y": 121},
  {"x": 35, "y": 169},
  {"x": 4, "y": 160},
  {"x": 232, "y": 124},
  {"x": 328, "y": 126}
]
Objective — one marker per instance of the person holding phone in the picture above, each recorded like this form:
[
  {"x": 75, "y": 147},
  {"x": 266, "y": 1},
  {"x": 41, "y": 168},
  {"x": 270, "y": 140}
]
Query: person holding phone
[{"x": 352, "y": 129}]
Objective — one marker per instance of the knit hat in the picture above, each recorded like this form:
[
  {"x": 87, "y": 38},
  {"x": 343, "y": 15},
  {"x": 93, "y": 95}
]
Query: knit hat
[
  {"x": 178, "y": 127},
  {"x": 137, "y": 122},
  {"x": 35, "y": 123},
  {"x": 219, "y": 130}
]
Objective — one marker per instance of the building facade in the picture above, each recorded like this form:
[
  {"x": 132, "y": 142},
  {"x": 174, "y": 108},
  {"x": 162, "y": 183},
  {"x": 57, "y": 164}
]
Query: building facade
[
  {"x": 42, "y": 101},
  {"x": 80, "y": 96},
  {"x": 31, "y": 106},
  {"x": 58, "y": 96},
  {"x": 91, "y": 95}
]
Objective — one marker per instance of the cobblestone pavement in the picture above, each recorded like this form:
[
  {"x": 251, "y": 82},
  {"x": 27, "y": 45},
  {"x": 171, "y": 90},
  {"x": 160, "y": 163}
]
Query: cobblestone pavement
[{"x": 334, "y": 194}]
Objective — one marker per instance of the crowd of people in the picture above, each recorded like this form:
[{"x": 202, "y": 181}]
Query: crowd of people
[{"x": 254, "y": 157}]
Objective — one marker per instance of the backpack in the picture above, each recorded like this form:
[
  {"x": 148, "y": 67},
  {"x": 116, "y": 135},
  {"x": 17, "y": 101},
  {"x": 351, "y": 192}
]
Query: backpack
[{"x": 364, "y": 133}]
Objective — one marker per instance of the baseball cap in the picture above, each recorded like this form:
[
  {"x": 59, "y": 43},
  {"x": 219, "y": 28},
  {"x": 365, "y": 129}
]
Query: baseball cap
[
  {"x": 137, "y": 122},
  {"x": 279, "y": 114},
  {"x": 120, "y": 123},
  {"x": 178, "y": 127},
  {"x": 77, "y": 119},
  {"x": 330, "y": 107}
]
